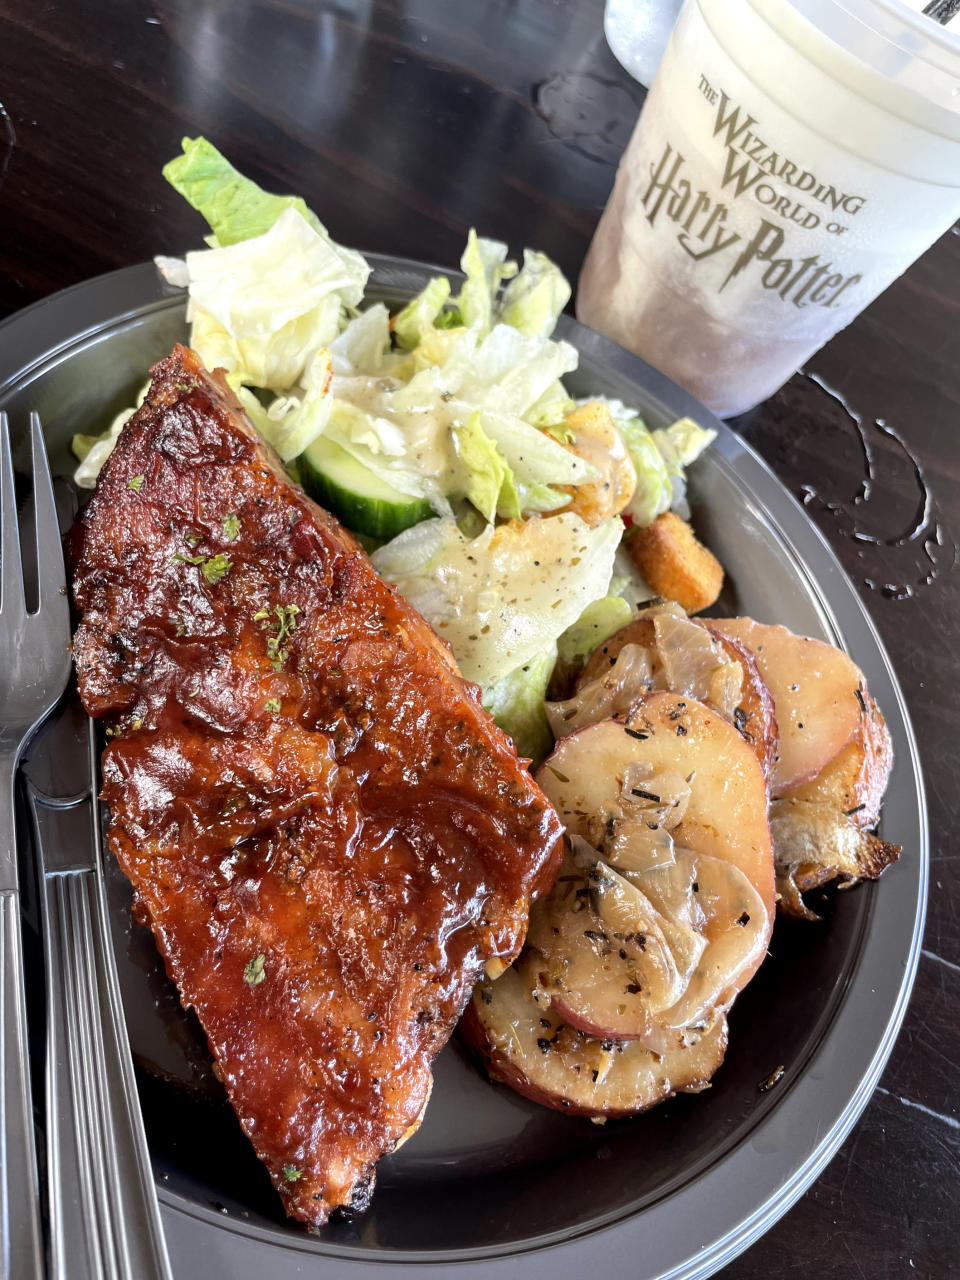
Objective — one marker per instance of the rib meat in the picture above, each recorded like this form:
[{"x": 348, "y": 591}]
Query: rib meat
[{"x": 327, "y": 834}]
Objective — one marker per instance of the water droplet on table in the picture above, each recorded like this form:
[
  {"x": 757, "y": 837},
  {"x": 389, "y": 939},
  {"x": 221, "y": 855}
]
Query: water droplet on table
[
  {"x": 925, "y": 549},
  {"x": 591, "y": 115}
]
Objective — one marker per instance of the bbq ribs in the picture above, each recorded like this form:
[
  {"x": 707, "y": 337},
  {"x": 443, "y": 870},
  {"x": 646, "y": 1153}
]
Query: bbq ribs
[{"x": 326, "y": 833}]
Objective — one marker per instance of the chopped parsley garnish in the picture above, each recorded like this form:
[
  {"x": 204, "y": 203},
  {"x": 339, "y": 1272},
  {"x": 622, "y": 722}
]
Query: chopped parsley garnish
[
  {"x": 135, "y": 483},
  {"x": 231, "y": 528},
  {"x": 213, "y": 568},
  {"x": 191, "y": 539},
  {"x": 280, "y": 622},
  {"x": 292, "y": 1173},
  {"x": 187, "y": 386},
  {"x": 216, "y": 567},
  {"x": 273, "y": 705},
  {"x": 253, "y": 973}
]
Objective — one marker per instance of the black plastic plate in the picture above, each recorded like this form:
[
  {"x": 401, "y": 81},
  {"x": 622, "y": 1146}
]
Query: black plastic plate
[{"x": 491, "y": 1178}]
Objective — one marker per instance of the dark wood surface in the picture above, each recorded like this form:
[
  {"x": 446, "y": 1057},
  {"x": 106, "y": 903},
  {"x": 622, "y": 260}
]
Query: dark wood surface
[{"x": 403, "y": 122}]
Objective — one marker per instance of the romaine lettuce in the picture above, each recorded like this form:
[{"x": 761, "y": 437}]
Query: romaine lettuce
[
  {"x": 654, "y": 492},
  {"x": 679, "y": 445},
  {"x": 234, "y": 206},
  {"x": 268, "y": 305},
  {"x": 363, "y": 346},
  {"x": 93, "y": 451}
]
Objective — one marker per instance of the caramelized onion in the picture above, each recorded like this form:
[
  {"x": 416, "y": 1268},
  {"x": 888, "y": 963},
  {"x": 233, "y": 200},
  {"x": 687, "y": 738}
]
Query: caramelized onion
[
  {"x": 689, "y": 655},
  {"x": 612, "y": 694}
]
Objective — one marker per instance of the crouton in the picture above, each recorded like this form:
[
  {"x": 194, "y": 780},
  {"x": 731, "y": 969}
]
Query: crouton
[{"x": 675, "y": 564}]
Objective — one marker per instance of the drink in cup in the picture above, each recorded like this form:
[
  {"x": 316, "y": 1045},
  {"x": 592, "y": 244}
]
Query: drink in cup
[{"x": 792, "y": 158}]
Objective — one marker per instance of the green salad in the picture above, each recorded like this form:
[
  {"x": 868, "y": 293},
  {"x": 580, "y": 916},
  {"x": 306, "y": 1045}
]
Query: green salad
[{"x": 441, "y": 435}]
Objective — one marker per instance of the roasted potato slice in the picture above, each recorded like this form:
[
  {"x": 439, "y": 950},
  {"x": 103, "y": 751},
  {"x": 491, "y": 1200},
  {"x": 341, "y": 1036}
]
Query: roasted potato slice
[
  {"x": 632, "y": 961},
  {"x": 817, "y": 694},
  {"x": 754, "y": 713},
  {"x": 618, "y": 962},
  {"x": 821, "y": 828},
  {"x": 525, "y": 1045},
  {"x": 725, "y": 814}
]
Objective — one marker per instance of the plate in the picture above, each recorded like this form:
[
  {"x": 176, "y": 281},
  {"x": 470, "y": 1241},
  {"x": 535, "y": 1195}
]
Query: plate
[{"x": 492, "y": 1183}]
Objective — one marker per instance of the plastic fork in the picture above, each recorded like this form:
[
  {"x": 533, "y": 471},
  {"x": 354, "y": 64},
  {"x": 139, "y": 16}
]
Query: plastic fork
[{"x": 34, "y": 666}]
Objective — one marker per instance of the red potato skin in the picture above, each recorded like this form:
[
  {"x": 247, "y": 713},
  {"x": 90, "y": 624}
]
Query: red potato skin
[
  {"x": 346, "y": 819},
  {"x": 500, "y": 1068},
  {"x": 759, "y": 726},
  {"x": 582, "y": 1023}
]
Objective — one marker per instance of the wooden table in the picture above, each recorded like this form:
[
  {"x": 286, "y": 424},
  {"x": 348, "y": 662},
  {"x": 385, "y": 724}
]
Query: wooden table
[{"x": 406, "y": 121}]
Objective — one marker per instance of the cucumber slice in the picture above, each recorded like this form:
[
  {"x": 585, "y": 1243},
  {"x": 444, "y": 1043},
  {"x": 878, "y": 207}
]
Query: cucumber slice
[{"x": 364, "y": 502}]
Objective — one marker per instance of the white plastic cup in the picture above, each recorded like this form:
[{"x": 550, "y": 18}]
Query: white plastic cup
[
  {"x": 637, "y": 32},
  {"x": 793, "y": 157}
]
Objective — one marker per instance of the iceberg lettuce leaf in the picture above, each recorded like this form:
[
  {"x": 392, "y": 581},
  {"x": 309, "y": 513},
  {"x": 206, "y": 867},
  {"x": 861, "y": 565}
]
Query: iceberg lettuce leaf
[
  {"x": 420, "y": 312},
  {"x": 490, "y": 596},
  {"x": 485, "y": 266},
  {"x": 597, "y": 623},
  {"x": 516, "y": 703},
  {"x": 532, "y": 301},
  {"x": 484, "y": 466}
]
